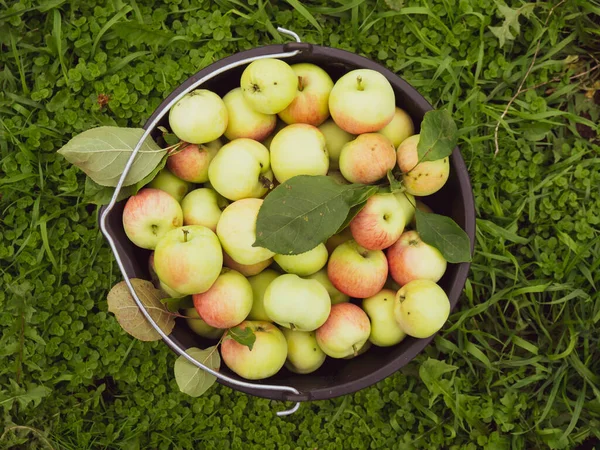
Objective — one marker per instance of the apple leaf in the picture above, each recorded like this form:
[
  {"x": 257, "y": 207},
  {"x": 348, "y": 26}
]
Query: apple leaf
[
  {"x": 193, "y": 380},
  {"x": 305, "y": 211},
  {"x": 244, "y": 336},
  {"x": 351, "y": 215},
  {"x": 175, "y": 304},
  {"x": 444, "y": 234},
  {"x": 129, "y": 316},
  {"x": 438, "y": 136},
  {"x": 395, "y": 184},
  {"x": 170, "y": 138}
]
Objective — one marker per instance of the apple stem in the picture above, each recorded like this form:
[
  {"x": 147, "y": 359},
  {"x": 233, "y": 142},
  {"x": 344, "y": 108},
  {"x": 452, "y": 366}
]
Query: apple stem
[
  {"x": 185, "y": 235},
  {"x": 401, "y": 298},
  {"x": 355, "y": 350},
  {"x": 300, "y": 84},
  {"x": 292, "y": 326},
  {"x": 266, "y": 182},
  {"x": 359, "y": 83}
]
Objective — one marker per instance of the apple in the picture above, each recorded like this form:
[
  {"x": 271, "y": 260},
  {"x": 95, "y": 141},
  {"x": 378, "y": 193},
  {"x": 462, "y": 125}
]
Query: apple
[
  {"x": 149, "y": 215},
  {"x": 244, "y": 121},
  {"x": 344, "y": 333},
  {"x": 237, "y": 232},
  {"x": 199, "y": 117},
  {"x": 246, "y": 270},
  {"x": 385, "y": 331},
  {"x": 421, "y": 207},
  {"x": 311, "y": 103},
  {"x": 259, "y": 284},
  {"x": 200, "y": 327},
  {"x": 269, "y": 85},
  {"x": 412, "y": 259},
  {"x": 267, "y": 356},
  {"x": 421, "y": 308},
  {"x": 299, "y": 149},
  {"x": 334, "y": 294},
  {"x": 189, "y": 259},
  {"x": 305, "y": 263},
  {"x": 192, "y": 161},
  {"x": 366, "y": 346},
  {"x": 407, "y": 205},
  {"x": 297, "y": 303},
  {"x": 337, "y": 239},
  {"x": 362, "y": 101},
  {"x": 228, "y": 301},
  {"x": 367, "y": 158},
  {"x": 166, "y": 181},
  {"x": 241, "y": 169},
  {"x": 203, "y": 207},
  {"x": 399, "y": 128},
  {"x": 172, "y": 293},
  {"x": 356, "y": 271},
  {"x": 335, "y": 139},
  {"x": 423, "y": 178},
  {"x": 379, "y": 223},
  {"x": 303, "y": 353},
  {"x": 337, "y": 176}
]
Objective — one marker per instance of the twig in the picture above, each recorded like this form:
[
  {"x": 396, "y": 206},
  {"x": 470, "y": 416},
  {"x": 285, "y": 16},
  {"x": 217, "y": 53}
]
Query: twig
[
  {"x": 23, "y": 427},
  {"x": 520, "y": 89},
  {"x": 555, "y": 79}
]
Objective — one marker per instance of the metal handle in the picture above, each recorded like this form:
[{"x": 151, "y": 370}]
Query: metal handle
[{"x": 113, "y": 201}]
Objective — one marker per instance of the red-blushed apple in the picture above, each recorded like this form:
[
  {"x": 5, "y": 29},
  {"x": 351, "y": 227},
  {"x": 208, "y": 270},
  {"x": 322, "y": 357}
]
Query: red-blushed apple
[
  {"x": 305, "y": 263},
  {"x": 421, "y": 207},
  {"x": 399, "y": 128},
  {"x": 199, "y": 326},
  {"x": 203, "y": 207},
  {"x": 337, "y": 239},
  {"x": 191, "y": 163},
  {"x": 259, "y": 284},
  {"x": 166, "y": 181},
  {"x": 420, "y": 178},
  {"x": 356, "y": 271},
  {"x": 385, "y": 331},
  {"x": 311, "y": 104},
  {"x": 269, "y": 85},
  {"x": 189, "y": 259},
  {"x": 412, "y": 259},
  {"x": 246, "y": 270},
  {"x": 267, "y": 356},
  {"x": 244, "y": 121},
  {"x": 299, "y": 149},
  {"x": 297, "y": 303},
  {"x": 407, "y": 205},
  {"x": 379, "y": 224},
  {"x": 304, "y": 354},
  {"x": 228, "y": 301},
  {"x": 362, "y": 101},
  {"x": 344, "y": 333},
  {"x": 367, "y": 158},
  {"x": 334, "y": 294},
  {"x": 337, "y": 176},
  {"x": 237, "y": 232},
  {"x": 149, "y": 215},
  {"x": 198, "y": 117},
  {"x": 335, "y": 139},
  {"x": 421, "y": 308}
]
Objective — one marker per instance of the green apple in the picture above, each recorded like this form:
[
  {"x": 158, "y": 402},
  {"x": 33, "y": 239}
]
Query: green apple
[
  {"x": 241, "y": 169},
  {"x": 399, "y": 128},
  {"x": 170, "y": 291},
  {"x": 269, "y": 85},
  {"x": 311, "y": 103},
  {"x": 297, "y": 303},
  {"x": 303, "y": 353},
  {"x": 379, "y": 223},
  {"x": 200, "y": 327},
  {"x": 199, "y": 117},
  {"x": 259, "y": 284},
  {"x": 244, "y": 121},
  {"x": 192, "y": 161},
  {"x": 228, "y": 301},
  {"x": 337, "y": 176},
  {"x": 345, "y": 332},
  {"x": 385, "y": 331},
  {"x": 166, "y": 181},
  {"x": 407, "y": 204},
  {"x": 421, "y": 308},
  {"x": 267, "y": 356},
  {"x": 367, "y": 159},
  {"x": 420, "y": 178},
  {"x": 335, "y": 139},
  {"x": 189, "y": 259},
  {"x": 203, "y": 207},
  {"x": 149, "y": 215},
  {"x": 337, "y": 239},
  {"x": 299, "y": 149},
  {"x": 237, "y": 232},
  {"x": 362, "y": 101},
  {"x": 305, "y": 263},
  {"x": 335, "y": 295}
]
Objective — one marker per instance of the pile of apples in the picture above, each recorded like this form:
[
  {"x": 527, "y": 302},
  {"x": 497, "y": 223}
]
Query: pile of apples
[{"x": 374, "y": 283}]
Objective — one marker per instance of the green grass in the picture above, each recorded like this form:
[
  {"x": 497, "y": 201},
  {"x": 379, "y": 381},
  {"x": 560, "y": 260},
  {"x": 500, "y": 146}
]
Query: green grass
[{"x": 516, "y": 367}]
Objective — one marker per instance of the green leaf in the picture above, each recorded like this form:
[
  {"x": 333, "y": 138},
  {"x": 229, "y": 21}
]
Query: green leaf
[
  {"x": 431, "y": 371},
  {"x": 175, "y": 304},
  {"x": 103, "y": 152},
  {"x": 33, "y": 395},
  {"x": 395, "y": 184},
  {"x": 438, "y": 136},
  {"x": 138, "y": 35},
  {"x": 193, "y": 380},
  {"x": 170, "y": 138},
  {"x": 131, "y": 319},
  {"x": 444, "y": 234},
  {"x": 244, "y": 336},
  {"x": 304, "y": 211},
  {"x": 511, "y": 20}
]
